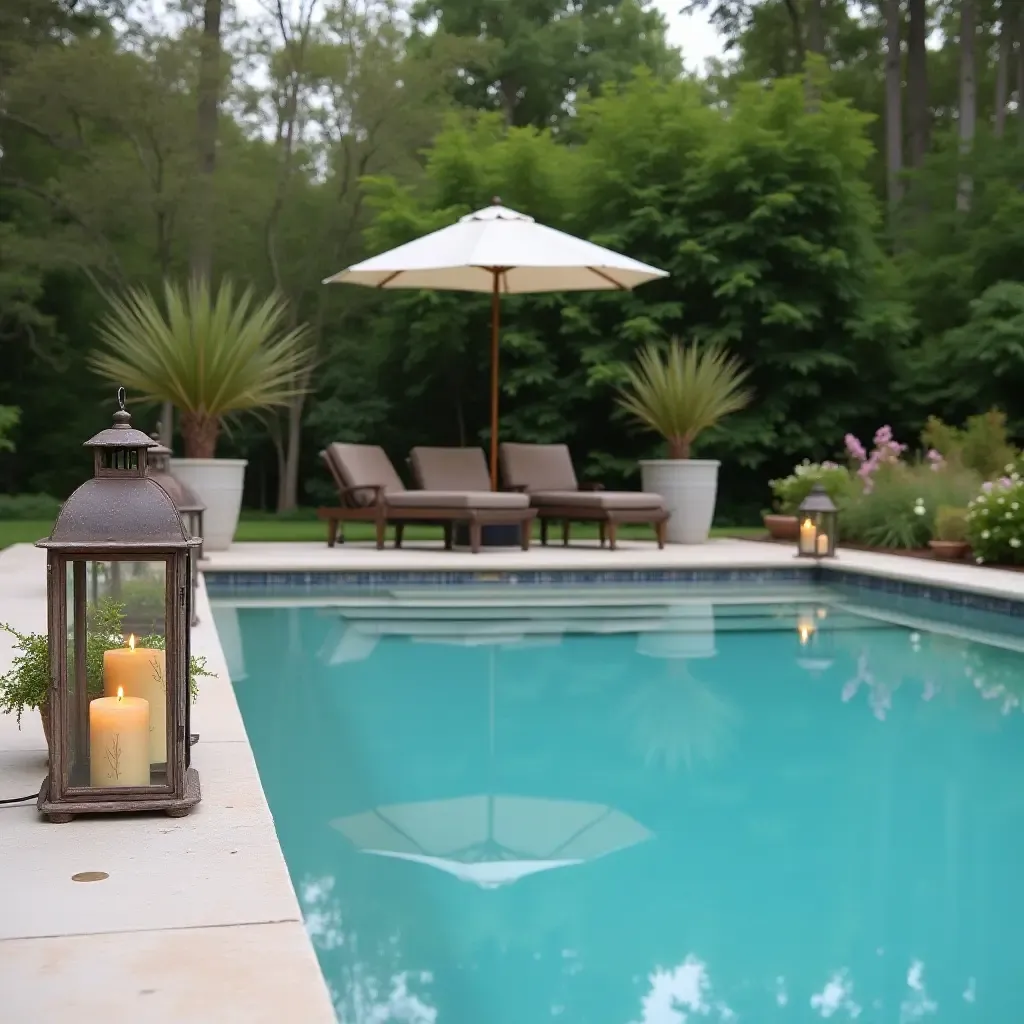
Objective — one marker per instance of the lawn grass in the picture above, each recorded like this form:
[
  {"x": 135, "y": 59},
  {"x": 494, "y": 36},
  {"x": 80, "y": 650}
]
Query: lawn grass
[{"x": 262, "y": 527}]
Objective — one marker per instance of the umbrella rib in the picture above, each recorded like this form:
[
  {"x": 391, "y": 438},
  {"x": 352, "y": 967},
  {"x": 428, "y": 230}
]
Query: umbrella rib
[
  {"x": 607, "y": 277},
  {"x": 401, "y": 831},
  {"x": 586, "y": 828},
  {"x": 387, "y": 280}
]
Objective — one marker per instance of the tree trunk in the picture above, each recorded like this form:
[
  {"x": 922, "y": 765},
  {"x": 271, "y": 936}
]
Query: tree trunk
[
  {"x": 968, "y": 100},
  {"x": 199, "y": 432},
  {"x": 1003, "y": 70},
  {"x": 288, "y": 489},
  {"x": 1020, "y": 73},
  {"x": 167, "y": 425},
  {"x": 816, "y": 27},
  {"x": 798, "y": 32},
  {"x": 207, "y": 108},
  {"x": 918, "y": 112},
  {"x": 893, "y": 105}
]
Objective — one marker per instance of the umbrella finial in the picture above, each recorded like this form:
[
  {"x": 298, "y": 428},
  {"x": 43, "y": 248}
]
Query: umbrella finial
[{"x": 495, "y": 200}]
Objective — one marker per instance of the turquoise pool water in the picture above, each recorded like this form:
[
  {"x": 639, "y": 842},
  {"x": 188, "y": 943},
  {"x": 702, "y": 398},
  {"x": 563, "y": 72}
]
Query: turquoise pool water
[{"x": 636, "y": 809}]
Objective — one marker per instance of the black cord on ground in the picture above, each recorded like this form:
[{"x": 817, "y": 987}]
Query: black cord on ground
[{"x": 20, "y": 799}]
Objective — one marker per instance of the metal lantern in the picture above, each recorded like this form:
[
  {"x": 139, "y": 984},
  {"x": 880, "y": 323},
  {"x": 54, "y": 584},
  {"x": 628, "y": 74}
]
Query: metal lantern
[
  {"x": 818, "y": 521},
  {"x": 186, "y": 501},
  {"x": 118, "y": 605}
]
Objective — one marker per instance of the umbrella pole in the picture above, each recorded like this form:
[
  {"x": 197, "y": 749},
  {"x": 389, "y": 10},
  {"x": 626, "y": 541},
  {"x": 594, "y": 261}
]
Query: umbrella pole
[{"x": 495, "y": 322}]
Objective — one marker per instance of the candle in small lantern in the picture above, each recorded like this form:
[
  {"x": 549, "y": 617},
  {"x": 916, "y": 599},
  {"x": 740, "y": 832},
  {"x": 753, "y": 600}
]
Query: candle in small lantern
[
  {"x": 822, "y": 544},
  {"x": 119, "y": 741},
  {"x": 807, "y": 534},
  {"x": 141, "y": 672}
]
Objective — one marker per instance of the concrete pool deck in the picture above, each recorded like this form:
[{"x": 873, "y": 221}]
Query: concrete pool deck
[{"x": 198, "y": 919}]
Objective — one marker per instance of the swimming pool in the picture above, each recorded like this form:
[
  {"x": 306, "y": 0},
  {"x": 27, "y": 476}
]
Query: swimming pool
[{"x": 658, "y": 805}]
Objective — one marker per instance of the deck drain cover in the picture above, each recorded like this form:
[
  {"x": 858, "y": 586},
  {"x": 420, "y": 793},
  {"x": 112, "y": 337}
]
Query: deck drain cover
[{"x": 89, "y": 876}]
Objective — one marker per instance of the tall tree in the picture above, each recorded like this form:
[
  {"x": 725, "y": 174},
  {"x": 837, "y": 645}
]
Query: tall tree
[
  {"x": 893, "y": 103},
  {"x": 919, "y": 115},
  {"x": 1003, "y": 59},
  {"x": 968, "y": 112},
  {"x": 532, "y": 61},
  {"x": 207, "y": 113}
]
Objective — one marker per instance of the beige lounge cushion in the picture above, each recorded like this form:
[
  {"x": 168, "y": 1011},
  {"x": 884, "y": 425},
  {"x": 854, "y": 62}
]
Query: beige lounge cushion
[
  {"x": 453, "y": 500},
  {"x": 606, "y": 501},
  {"x": 450, "y": 469},
  {"x": 537, "y": 467},
  {"x": 365, "y": 465}
]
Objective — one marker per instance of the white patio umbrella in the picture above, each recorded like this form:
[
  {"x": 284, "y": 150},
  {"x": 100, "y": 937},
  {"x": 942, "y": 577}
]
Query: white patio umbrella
[
  {"x": 501, "y": 252},
  {"x": 491, "y": 840}
]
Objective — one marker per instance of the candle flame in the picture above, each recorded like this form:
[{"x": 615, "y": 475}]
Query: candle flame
[
  {"x": 807, "y": 524},
  {"x": 120, "y": 693},
  {"x": 805, "y": 629},
  {"x": 131, "y": 641}
]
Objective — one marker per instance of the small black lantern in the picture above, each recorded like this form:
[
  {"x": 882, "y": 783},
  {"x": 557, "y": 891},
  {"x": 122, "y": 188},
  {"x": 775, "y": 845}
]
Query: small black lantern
[
  {"x": 818, "y": 521},
  {"x": 186, "y": 501},
  {"x": 119, "y": 705}
]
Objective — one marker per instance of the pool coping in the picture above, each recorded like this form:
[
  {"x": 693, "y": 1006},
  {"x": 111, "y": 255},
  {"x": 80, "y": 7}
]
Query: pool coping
[
  {"x": 197, "y": 919},
  {"x": 288, "y": 573},
  {"x": 265, "y": 965}
]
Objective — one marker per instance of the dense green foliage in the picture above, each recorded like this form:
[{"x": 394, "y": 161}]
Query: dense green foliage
[{"x": 346, "y": 128}]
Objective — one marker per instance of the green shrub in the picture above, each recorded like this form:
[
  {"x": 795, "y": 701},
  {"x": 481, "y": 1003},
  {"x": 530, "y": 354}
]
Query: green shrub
[
  {"x": 951, "y": 524},
  {"x": 29, "y": 506},
  {"x": 980, "y": 445},
  {"x": 900, "y": 508},
  {"x": 995, "y": 522},
  {"x": 790, "y": 491}
]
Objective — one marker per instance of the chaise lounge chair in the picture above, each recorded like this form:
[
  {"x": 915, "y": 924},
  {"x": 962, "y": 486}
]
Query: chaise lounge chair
[
  {"x": 372, "y": 492},
  {"x": 545, "y": 473}
]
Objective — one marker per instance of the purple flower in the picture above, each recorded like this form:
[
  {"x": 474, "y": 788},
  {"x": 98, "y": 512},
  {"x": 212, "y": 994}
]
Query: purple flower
[
  {"x": 986, "y": 487},
  {"x": 1005, "y": 482},
  {"x": 829, "y": 465},
  {"x": 934, "y": 456},
  {"x": 855, "y": 448},
  {"x": 883, "y": 437}
]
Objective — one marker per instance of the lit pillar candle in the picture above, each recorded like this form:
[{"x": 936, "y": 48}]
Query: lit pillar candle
[
  {"x": 140, "y": 672},
  {"x": 807, "y": 532},
  {"x": 823, "y": 544},
  {"x": 119, "y": 741}
]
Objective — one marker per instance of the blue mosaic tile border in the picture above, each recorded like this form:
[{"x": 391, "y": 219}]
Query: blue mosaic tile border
[
  {"x": 220, "y": 583},
  {"x": 223, "y": 584},
  {"x": 948, "y": 596}
]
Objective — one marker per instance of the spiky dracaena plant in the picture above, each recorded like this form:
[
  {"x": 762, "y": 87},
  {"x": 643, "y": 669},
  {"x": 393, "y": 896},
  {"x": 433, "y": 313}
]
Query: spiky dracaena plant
[
  {"x": 209, "y": 353},
  {"x": 683, "y": 391}
]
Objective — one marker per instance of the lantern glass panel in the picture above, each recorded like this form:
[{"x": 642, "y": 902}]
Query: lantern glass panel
[{"x": 118, "y": 704}]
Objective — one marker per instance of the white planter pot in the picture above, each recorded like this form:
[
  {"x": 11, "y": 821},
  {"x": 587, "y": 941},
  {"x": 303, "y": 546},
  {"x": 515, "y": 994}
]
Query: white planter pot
[
  {"x": 218, "y": 483},
  {"x": 690, "y": 488}
]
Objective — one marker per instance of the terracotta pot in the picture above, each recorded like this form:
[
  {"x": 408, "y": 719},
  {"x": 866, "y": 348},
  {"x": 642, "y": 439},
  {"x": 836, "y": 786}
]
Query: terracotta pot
[
  {"x": 782, "y": 527},
  {"x": 948, "y": 550}
]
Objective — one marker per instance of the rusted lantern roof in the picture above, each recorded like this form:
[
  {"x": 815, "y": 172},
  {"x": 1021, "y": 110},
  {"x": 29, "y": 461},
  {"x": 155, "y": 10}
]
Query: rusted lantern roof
[
  {"x": 184, "y": 498},
  {"x": 121, "y": 507}
]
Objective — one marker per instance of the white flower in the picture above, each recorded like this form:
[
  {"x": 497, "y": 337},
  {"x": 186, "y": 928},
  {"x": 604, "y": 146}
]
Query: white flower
[
  {"x": 981, "y": 499},
  {"x": 1009, "y": 467},
  {"x": 985, "y": 534},
  {"x": 1014, "y": 542},
  {"x": 1015, "y": 506},
  {"x": 1002, "y": 500},
  {"x": 1009, "y": 515},
  {"x": 919, "y": 510}
]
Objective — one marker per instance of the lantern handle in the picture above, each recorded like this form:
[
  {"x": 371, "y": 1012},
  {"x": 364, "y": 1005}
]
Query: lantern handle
[{"x": 120, "y": 398}]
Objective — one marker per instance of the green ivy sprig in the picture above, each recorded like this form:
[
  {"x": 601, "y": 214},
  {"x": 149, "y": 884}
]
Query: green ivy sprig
[{"x": 26, "y": 685}]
